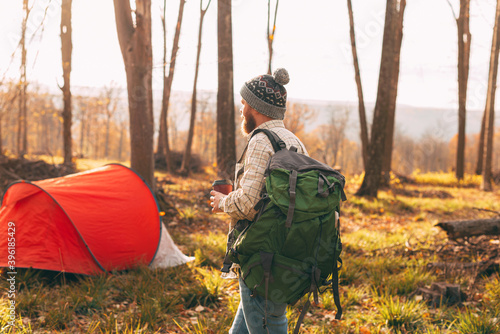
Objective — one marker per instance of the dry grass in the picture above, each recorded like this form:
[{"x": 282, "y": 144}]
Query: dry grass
[{"x": 388, "y": 244}]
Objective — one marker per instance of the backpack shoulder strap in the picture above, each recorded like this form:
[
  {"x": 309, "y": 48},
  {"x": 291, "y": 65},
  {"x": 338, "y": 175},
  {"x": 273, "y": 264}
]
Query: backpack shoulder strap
[{"x": 276, "y": 141}]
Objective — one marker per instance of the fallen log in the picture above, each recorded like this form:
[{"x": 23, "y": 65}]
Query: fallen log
[
  {"x": 477, "y": 268},
  {"x": 470, "y": 228},
  {"x": 441, "y": 293},
  {"x": 456, "y": 265}
]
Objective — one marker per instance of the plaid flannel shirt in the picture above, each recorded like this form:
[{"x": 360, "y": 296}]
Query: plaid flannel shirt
[{"x": 240, "y": 203}]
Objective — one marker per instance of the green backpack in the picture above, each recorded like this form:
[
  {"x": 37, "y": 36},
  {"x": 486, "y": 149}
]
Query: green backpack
[{"x": 292, "y": 247}]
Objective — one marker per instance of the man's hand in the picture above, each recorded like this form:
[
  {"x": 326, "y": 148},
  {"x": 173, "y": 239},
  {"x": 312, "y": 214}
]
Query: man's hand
[{"x": 214, "y": 200}]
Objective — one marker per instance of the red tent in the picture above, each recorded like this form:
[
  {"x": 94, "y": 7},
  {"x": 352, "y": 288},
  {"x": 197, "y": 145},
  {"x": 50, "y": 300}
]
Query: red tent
[{"x": 102, "y": 219}]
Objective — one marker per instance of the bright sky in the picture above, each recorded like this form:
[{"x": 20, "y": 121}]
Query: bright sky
[{"x": 312, "y": 42}]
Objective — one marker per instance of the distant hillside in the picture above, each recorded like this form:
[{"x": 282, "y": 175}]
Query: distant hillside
[{"x": 413, "y": 121}]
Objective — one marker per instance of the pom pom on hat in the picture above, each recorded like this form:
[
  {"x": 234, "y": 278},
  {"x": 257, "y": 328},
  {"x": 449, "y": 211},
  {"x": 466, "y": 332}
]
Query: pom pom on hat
[{"x": 281, "y": 76}]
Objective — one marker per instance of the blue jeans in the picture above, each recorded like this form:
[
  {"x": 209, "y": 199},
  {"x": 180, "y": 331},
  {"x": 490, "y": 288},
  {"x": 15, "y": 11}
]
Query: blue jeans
[{"x": 250, "y": 314}]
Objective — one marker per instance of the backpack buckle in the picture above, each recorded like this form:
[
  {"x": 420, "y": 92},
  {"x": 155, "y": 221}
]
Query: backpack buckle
[{"x": 322, "y": 180}]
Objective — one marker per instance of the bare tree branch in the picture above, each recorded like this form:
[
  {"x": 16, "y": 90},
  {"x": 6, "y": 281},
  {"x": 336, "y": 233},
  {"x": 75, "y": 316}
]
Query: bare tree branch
[
  {"x": 270, "y": 33},
  {"x": 41, "y": 25},
  {"x": 206, "y": 8},
  {"x": 455, "y": 16}
]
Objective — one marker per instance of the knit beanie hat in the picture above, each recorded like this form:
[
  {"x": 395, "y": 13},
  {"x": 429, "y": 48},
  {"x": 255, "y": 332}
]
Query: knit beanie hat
[{"x": 266, "y": 93}]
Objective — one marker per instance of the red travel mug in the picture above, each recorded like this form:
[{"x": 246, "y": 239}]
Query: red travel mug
[{"x": 223, "y": 186}]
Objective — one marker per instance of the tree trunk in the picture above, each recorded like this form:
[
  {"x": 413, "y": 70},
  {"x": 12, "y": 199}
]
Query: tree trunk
[
  {"x": 397, "y": 25},
  {"x": 88, "y": 126},
  {"x": 160, "y": 146},
  {"x": 187, "y": 153},
  {"x": 97, "y": 144},
  {"x": 480, "y": 148},
  {"x": 270, "y": 34},
  {"x": 3, "y": 108},
  {"x": 490, "y": 104},
  {"x": 361, "y": 101},
  {"x": 135, "y": 44},
  {"x": 110, "y": 97},
  {"x": 22, "y": 135},
  {"x": 122, "y": 139},
  {"x": 66, "y": 50},
  {"x": 470, "y": 228},
  {"x": 106, "y": 139},
  {"x": 47, "y": 135},
  {"x": 1, "y": 135},
  {"x": 226, "y": 141},
  {"x": 163, "y": 147},
  {"x": 464, "y": 40},
  {"x": 82, "y": 129},
  {"x": 376, "y": 149}
]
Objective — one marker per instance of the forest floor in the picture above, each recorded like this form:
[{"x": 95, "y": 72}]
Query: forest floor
[{"x": 392, "y": 251}]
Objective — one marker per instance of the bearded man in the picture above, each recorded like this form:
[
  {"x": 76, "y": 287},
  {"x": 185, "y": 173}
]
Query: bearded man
[{"x": 263, "y": 107}]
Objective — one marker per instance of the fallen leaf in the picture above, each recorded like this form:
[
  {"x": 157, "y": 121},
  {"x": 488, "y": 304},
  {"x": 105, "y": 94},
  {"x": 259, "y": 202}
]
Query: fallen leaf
[{"x": 364, "y": 330}]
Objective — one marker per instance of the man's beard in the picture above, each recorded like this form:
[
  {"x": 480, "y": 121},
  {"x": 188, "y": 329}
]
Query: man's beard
[{"x": 248, "y": 124}]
